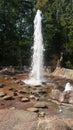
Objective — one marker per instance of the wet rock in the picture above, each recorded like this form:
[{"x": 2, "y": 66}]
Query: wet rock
[
  {"x": 41, "y": 105},
  {"x": 32, "y": 109},
  {"x": 55, "y": 94},
  {"x": 25, "y": 99},
  {"x": 2, "y": 94},
  {"x": 1, "y": 85},
  {"x": 8, "y": 97}
]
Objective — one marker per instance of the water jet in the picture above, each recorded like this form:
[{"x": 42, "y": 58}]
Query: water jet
[{"x": 36, "y": 74}]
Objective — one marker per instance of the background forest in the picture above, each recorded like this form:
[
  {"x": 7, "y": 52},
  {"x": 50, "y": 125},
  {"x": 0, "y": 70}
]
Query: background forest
[{"x": 16, "y": 31}]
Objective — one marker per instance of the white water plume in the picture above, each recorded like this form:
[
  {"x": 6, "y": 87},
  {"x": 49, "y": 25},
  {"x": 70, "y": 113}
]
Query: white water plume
[{"x": 36, "y": 74}]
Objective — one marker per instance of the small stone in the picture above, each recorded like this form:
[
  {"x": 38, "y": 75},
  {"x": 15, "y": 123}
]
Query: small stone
[
  {"x": 42, "y": 91},
  {"x": 17, "y": 81},
  {"x": 32, "y": 109},
  {"x": 55, "y": 94},
  {"x": 25, "y": 100},
  {"x": 41, "y": 114},
  {"x": 12, "y": 108},
  {"x": 6, "y": 78},
  {"x": 13, "y": 89},
  {"x": 15, "y": 94},
  {"x": 7, "y": 97},
  {"x": 1, "y": 85},
  {"x": 32, "y": 97},
  {"x": 22, "y": 91},
  {"x": 37, "y": 98},
  {"x": 2, "y": 94},
  {"x": 20, "y": 96},
  {"x": 41, "y": 105}
]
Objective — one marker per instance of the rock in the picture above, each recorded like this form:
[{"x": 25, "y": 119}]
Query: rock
[
  {"x": 15, "y": 94},
  {"x": 20, "y": 95},
  {"x": 55, "y": 94},
  {"x": 17, "y": 81},
  {"x": 41, "y": 105},
  {"x": 8, "y": 97},
  {"x": 32, "y": 109},
  {"x": 41, "y": 114},
  {"x": 6, "y": 78},
  {"x": 64, "y": 97},
  {"x": 2, "y": 94},
  {"x": 70, "y": 100},
  {"x": 52, "y": 124},
  {"x": 43, "y": 91},
  {"x": 37, "y": 98},
  {"x": 13, "y": 89},
  {"x": 23, "y": 91},
  {"x": 12, "y": 108},
  {"x": 38, "y": 85},
  {"x": 13, "y": 119},
  {"x": 25, "y": 100},
  {"x": 32, "y": 97},
  {"x": 1, "y": 85}
]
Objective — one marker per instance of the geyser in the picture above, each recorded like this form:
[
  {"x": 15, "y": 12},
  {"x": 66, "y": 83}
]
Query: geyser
[{"x": 36, "y": 74}]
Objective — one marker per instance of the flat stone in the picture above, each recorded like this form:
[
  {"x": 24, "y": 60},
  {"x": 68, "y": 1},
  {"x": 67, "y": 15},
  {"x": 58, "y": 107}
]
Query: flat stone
[
  {"x": 8, "y": 97},
  {"x": 41, "y": 105},
  {"x": 23, "y": 91},
  {"x": 2, "y": 94},
  {"x": 32, "y": 97},
  {"x": 32, "y": 109},
  {"x": 25, "y": 100},
  {"x": 20, "y": 95}
]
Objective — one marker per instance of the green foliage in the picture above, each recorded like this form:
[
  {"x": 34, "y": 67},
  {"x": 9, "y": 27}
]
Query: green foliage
[
  {"x": 16, "y": 30},
  {"x": 16, "y": 27}
]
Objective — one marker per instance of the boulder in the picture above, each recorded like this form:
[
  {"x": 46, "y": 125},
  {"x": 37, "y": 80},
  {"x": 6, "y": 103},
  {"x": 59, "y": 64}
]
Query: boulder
[
  {"x": 55, "y": 94},
  {"x": 52, "y": 124},
  {"x": 13, "y": 119}
]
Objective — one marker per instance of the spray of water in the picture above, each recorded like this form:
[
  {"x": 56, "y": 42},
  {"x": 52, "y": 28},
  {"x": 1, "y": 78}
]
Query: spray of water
[{"x": 36, "y": 74}]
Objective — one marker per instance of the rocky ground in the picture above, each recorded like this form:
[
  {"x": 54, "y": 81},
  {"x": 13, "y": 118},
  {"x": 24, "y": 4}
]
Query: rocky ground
[{"x": 24, "y": 107}]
